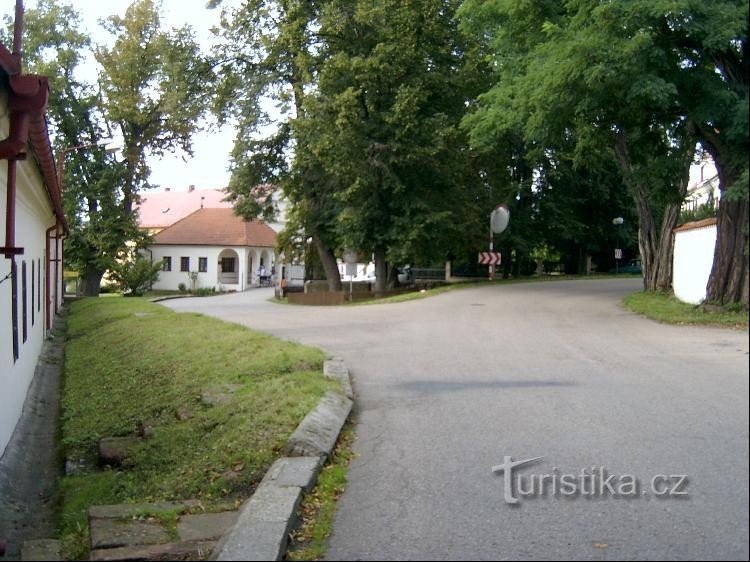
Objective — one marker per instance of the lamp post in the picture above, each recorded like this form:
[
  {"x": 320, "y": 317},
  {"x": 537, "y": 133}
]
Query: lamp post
[
  {"x": 107, "y": 144},
  {"x": 618, "y": 251}
]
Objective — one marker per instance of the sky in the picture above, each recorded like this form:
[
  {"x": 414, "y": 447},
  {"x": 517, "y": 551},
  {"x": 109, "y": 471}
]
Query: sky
[{"x": 208, "y": 166}]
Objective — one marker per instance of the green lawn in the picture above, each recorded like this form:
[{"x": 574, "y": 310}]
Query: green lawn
[
  {"x": 130, "y": 361},
  {"x": 667, "y": 308}
]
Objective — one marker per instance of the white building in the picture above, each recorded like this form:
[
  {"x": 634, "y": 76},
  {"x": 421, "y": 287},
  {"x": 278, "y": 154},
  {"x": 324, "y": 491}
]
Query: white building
[
  {"x": 703, "y": 188},
  {"x": 33, "y": 225},
  {"x": 220, "y": 249},
  {"x": 159, "y": 209}
]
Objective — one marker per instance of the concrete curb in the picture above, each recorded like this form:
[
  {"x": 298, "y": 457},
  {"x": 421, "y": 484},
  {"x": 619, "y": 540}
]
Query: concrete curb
[{"x": 266, "y": 519}]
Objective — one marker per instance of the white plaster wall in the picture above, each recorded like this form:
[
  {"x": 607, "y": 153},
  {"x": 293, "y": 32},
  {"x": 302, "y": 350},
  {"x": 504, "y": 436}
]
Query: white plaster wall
[
  {"x": 170, "y": 280},
  {"x": 693, "y": 258},
  {"x": 33, "y": 216}
]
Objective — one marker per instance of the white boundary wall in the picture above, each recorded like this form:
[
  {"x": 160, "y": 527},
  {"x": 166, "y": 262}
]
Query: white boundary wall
[{"x": 693, "y": 258}]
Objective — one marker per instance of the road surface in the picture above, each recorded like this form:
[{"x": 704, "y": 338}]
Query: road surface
[{"x": 448, "y": 387}]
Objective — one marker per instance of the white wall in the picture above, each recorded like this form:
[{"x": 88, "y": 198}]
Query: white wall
[
  {"x": 693, "y": 258},
  {"x": 33, "y": 216},
  {"x": 170, "y": 280}
]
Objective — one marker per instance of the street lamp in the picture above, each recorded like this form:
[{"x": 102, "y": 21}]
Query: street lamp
[
  {"x": 107, "y": 144},
  {"x": 618, "y": 251}
]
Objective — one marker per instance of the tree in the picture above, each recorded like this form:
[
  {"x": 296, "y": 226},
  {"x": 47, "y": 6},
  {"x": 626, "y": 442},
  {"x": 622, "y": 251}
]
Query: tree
[
  {"x": 711, "y": 39},
  {"x": 382, "y": 127},
  {"x": 154, "y": 90},
  {"x": 582, "y": 73},
  {"x": 54, "y": 47},
  {"x": 152, "y": 85},
  {"x": 268, "y": 61},
  {"x": 642, "y": 80}
]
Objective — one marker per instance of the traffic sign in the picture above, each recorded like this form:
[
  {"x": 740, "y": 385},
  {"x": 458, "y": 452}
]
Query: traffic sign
[
  {"x": 618, "y": 254},
  {"x": 489, "y": 258}
]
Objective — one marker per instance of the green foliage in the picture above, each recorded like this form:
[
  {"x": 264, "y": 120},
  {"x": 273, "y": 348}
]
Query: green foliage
[
  {"x": 151, "y": 93},
  {"x": 153, "y": 87},
  {"x": 205, "y": 292},
  {"x": 135, "y": 276},
  {"x": 319, "y": 506},
  {"x": 705, "y": 211},
  {"x": 665, "y": 307}
]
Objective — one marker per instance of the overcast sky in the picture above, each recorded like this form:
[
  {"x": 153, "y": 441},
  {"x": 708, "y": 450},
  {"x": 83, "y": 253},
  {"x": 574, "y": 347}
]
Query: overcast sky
[{"x": 208, "y": 167}]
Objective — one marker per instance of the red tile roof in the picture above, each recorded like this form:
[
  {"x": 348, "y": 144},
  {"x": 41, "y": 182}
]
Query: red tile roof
[
  {"x": 217, "y": 227},
  {"x": 696, "y": 224},
  {"x": 159, "y": 210}
]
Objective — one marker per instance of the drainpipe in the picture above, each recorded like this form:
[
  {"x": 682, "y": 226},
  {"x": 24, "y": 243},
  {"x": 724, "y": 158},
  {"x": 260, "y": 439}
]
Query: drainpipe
[
  {"x": 58, "y": 271},
  {"x": 47, "y": 270},
  {"x": 10, "y": 250}
]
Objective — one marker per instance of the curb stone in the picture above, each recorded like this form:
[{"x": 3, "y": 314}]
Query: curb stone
[{"x": 266, "y": 519}]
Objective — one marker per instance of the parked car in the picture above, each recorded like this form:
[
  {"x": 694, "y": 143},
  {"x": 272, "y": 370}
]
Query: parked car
[
  {"x": 633, "y": 267},
  {"x": 404, "y": 275}
]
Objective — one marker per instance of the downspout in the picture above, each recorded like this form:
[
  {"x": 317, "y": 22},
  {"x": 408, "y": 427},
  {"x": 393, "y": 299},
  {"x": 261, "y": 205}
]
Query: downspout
[
  {"x": 58, "y": 245},
  {"x": 47, "y": 268}
]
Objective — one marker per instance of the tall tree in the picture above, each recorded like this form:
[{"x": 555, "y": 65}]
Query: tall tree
[
  {"x": 267, "y": 65},
  {"x": 643, "y": 80},
  {"x": 99, "y": 230},
  {"x": 383, "y": 125},
  {"x": 711, "y": 39},
  {"x": 154, "y": 87},
  {"x": 580, "y": 71},
  {"x": 150, "y": 93}
]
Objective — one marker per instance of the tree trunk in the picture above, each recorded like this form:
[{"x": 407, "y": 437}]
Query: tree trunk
[
  {"x": 392, "y": 277},
  {"x": 654, "y": 244},
  {"x": 728, "y": 281},
  {"x": 328, "y": 261},
  {"x": 92, "y": 280},
  {"x": 381, "y": 271}
]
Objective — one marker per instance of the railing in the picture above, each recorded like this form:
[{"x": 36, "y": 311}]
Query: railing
[{"x": 426, "y": 273}]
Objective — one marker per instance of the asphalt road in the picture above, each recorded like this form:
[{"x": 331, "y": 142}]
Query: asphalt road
[{"x": 449, "y": 386}]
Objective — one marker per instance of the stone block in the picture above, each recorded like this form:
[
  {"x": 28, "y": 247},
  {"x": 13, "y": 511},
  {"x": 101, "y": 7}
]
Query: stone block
[
  {"x": 300, "y": 472},
  {"x": 317, "y": 434}
]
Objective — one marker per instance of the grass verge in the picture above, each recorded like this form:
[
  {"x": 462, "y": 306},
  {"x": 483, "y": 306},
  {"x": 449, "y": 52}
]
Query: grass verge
[
  {"x": 319, "y": 506},
  {"x": 132, "y": 363},
  {"x": 665, "y": 307},
  {"x": 483, "y": 282}
]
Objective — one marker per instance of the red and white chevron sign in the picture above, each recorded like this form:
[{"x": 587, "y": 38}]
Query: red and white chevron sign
[{"x": 489, "y": 258}]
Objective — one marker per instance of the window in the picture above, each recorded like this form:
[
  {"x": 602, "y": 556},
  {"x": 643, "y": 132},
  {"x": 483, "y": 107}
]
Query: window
[
  {"x": 33, "y": 280},
  {"x": 167, "y": 264},
  {"x": 227, "y": 265},
  {"x": 24, "y": 303},
  {"x": 202, "y": 265},
  {"x": 14, "y": 306},
  {"x": 39, "y": 285},
  {"x": 184, "y": 264}
]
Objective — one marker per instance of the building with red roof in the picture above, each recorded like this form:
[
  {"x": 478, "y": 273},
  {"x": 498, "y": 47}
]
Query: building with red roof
[
  {"x": 158, "y": 210},
  {"x": 214, "y": 248}
]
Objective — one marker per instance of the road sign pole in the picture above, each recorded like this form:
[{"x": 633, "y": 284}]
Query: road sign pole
[{"x": 492, "y": 249}]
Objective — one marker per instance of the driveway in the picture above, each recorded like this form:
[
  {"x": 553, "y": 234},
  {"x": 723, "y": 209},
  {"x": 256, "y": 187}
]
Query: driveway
[{"x": 447, "y": 387}]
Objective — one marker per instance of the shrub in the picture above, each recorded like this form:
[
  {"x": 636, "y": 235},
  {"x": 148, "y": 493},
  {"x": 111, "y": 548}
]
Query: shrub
[
  {"x": 136, "y": 276},
  {"x": 182, "y": 287}
]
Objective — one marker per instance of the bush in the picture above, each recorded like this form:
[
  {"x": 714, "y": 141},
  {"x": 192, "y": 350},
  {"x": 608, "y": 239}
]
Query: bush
[
  {"x": 182, "y": 287},
  {"x": 205, "y": 292},
  {"x": 136, "y": 276}
]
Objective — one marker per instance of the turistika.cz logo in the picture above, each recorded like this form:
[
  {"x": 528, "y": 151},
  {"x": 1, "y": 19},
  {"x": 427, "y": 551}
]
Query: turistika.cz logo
[{"x": 592, "y": 482}]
